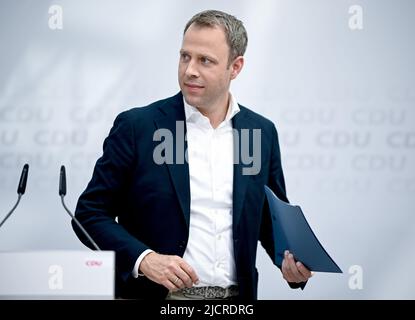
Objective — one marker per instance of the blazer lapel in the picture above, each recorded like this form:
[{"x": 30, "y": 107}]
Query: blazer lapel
[
  {"x": 240, "y": 181},
  {"x": 173, "y": 119}
]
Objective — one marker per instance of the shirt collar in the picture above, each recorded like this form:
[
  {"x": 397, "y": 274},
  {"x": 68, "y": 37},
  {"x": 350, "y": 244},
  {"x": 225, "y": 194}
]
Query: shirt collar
[{"x": 192, "y": 112}]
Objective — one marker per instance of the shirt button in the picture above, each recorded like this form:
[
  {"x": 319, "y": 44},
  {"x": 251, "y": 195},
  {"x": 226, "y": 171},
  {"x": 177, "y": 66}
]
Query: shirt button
[{"x": 219, "y": 237}]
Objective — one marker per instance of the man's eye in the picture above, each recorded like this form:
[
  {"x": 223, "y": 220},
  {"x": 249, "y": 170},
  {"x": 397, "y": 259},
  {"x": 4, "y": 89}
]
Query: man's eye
[
  {"x": 205, "y": 60},
  {"x": 184, "y": 57}
]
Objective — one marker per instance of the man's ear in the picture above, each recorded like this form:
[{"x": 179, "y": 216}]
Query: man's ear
[{"x": 236, "y": 66}]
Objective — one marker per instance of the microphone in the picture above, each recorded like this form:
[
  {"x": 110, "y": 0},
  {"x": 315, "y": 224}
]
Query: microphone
[
  {"x": 62, "y": 193},
  {"x": 21, "y": 188}
]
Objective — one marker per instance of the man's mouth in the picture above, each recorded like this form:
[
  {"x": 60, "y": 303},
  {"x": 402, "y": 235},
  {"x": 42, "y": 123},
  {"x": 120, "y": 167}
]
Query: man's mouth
[{"x": 193, "y": 86}]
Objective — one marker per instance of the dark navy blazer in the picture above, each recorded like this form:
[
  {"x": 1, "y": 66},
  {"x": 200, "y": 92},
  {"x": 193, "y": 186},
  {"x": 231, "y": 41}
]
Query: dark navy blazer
[{"x": 152, "y": 201}]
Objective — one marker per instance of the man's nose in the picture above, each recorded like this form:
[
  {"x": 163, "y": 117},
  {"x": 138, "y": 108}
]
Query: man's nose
[{"x": 191, "y": 70}]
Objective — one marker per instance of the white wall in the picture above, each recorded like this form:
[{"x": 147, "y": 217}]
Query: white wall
[{"x": 342, "y": 100}]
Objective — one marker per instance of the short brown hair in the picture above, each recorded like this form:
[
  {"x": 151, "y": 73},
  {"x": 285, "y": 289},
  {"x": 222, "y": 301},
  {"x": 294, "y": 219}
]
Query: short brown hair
[{"x": 235, "y": 32}]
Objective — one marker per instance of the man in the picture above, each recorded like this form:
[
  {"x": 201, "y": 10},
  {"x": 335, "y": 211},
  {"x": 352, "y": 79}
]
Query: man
[{"x": 189, "y": 229}]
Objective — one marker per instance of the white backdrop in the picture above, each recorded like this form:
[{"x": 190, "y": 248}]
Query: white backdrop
[{"x": 340, "y": 91}]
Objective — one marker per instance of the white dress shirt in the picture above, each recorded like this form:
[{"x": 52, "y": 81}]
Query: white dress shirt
[{"x": 210, "y": 157}]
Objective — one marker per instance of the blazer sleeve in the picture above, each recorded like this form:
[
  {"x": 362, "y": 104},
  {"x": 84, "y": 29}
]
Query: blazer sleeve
[
  {"x": 276, "y": 183},
  {"x": 100, "y": 203}
]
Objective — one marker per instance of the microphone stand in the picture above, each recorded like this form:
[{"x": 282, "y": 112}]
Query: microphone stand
[
  {"x": 19, "y": 196},
  {"x": 21, "y": 188},
  {"x": 62, "y": 193},
  {"x": 79, "y": 224}
]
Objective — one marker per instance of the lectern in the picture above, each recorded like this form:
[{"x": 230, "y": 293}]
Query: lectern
[{"x": 57, "y": 274}]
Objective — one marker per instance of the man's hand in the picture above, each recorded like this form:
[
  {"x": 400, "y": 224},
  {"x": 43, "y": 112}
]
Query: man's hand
[
  {"x": 294, "y": 271},
  {"x": 170, "y": 271}
]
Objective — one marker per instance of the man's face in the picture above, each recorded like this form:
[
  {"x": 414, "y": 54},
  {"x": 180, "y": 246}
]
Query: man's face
[{"x": 204, "y": 75}]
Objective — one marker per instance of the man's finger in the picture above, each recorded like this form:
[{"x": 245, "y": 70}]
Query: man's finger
[
  {"x": 184, "y": 277},
  {"x": 169, "y": 285},
  {"x": 298, "y": 277},
  {"x": 286, "y": 271},
  {"x": 303, "y": 270},
  {"x": 189, "y": 270},
  {"x": 178, "y": 283}
]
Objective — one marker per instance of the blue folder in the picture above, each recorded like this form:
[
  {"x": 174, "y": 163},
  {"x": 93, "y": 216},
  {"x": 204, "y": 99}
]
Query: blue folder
[{"x": 292, "y": 232}]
